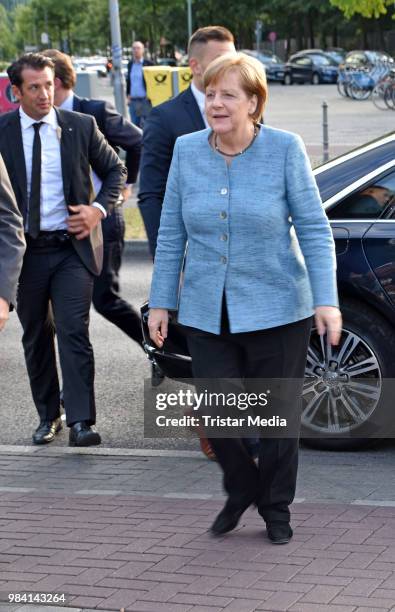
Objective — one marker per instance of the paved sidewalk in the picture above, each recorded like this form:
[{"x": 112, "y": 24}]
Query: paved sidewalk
[{"x": 129, "y": 531}]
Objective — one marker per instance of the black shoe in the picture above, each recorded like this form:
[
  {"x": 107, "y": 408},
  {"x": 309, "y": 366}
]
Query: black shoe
[
  {"x": 46, "y": 431},
  {"x": 157, "y": 375},
  {"x": 228, "y": 518},
  {"x": 279, "y": 532},
  {"x": 81, "y": 434}
]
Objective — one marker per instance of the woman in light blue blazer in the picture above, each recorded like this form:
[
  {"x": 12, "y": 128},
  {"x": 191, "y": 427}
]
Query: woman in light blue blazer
[{"x": 242, "y": 203}]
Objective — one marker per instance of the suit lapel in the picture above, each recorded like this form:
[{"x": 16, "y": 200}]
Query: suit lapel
[
  {"x": 16, "y": 147},
  {"x": 192, "y": 109},
  {"x": 66, "y": 149}
]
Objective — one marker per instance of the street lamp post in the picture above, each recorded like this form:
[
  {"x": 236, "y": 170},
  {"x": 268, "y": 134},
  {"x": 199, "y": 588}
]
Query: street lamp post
[
  {"x": 116, "y": 50},
  {"x": 189, "y": 2},
  {"x": 258, "y": 34}
]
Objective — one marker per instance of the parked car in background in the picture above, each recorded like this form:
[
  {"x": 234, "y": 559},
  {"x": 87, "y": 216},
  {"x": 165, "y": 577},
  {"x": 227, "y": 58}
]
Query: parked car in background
[
  {"x": 311, "y": 66},
  {"x": 94, "y": 63},
  {"x": 336, "y": 53},
  {"x": 274, "y": 66},
  {"x": 346, "y": 385},
  {"x": 166, "y": 61},
  {"x": 366, "y": 59}
]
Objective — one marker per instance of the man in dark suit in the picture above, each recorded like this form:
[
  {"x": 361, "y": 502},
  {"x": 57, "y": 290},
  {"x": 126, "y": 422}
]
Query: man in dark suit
[
  {"x": 166, "y": 122},
  {"x": 49, "y": 154},
  {"x": 12, "y": 245},
  {"x": 119, "y": 133},
  {"x": 136, "y": 87}
]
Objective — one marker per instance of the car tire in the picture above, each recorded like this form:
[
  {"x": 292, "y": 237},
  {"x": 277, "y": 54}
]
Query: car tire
[
  {"x": 374, "y": 338},
  {"x": 315, "y": 79},
  {"x": 287, "y": 79}
]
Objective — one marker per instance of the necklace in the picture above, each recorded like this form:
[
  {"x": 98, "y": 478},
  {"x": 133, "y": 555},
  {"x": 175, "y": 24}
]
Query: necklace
[{"x": 216, "y": 147}]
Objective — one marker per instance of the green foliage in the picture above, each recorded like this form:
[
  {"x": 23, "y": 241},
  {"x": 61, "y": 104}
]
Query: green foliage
[
  {"x": 84, "y": 27},
  {"x": 366, "y": 8},
  {"x": 7, "y": 46}
]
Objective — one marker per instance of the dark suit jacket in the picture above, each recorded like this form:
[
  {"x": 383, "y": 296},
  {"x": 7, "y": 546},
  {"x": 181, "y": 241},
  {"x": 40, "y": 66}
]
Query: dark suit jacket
[
  {"x": 145, "y": 63},
  {"x": 12, "y": 240},
  {"x": 165, "y": 123},
  {"x": 119, "y": 132},
  {"x": 82, "y": 145}
]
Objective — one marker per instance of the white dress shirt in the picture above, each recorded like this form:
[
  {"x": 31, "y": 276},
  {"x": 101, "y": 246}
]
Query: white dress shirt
[
  {"x": 200, "y": 101},
  {"x": 53, "y": 207}
]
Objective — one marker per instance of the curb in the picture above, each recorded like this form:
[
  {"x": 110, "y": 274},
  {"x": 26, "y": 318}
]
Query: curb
[
  {"x": 90, "y": 450},
  {"x": 134, "y": 247}
]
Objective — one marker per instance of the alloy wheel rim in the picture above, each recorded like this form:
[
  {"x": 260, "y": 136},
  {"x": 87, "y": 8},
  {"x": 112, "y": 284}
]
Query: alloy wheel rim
[{"x": 342, "y": 385}]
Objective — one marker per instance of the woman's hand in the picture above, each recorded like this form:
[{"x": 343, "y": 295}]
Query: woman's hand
[
  {"x": 158, "y": 320},
  {"x": 329, "y": 320}
]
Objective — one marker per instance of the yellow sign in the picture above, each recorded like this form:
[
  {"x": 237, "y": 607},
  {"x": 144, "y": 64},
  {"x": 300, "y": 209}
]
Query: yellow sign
[
  {"x": 159, "y": 83},
  {"x": 184, "y": 78}
]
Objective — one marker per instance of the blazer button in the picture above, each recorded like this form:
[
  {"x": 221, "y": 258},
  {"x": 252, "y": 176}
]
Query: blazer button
[
  {"x": 224, "y": 191},
  {"x": 223, "y": 214},
  {"x": 224, "y": 260},
  {"x": 224, "y": 237}
]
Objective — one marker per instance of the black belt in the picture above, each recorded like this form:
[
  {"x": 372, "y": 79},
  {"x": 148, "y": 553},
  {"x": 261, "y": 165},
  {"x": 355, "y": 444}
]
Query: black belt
[{"x": 46, "y": 239}]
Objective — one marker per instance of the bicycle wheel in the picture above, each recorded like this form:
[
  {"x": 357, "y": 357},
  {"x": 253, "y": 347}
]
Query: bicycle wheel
[
  {"x": 378, "y": 96},
  {"x": 341, "y": 88},
  {"x": 389, "y": 97},
  {"x": 359, "y": 93}
]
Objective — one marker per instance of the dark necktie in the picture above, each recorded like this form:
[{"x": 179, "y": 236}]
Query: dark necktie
[{"x": 35, "y": 184}]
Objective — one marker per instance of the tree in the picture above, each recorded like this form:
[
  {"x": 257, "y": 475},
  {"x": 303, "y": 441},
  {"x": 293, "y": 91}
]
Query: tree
[
  {"x": 7, "y": 46},
  {"x": 366, "y": 8}
]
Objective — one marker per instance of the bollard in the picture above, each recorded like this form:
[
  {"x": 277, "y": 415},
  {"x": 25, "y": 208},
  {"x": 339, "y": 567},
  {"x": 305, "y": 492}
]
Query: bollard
[{"x": 325, "y": 136}]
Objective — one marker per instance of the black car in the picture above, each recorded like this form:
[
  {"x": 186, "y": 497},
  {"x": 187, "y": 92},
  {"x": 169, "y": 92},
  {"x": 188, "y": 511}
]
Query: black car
[
  {"x": 274, "y": 66},
  {"x": 311, "y": 67},
  {"x": 358, "y": 192}
]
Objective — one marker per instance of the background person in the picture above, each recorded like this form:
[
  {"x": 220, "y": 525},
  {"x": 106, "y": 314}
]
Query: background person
[
  {"x": 12, "y": 245},
  {"x": 243, "y": 196},
  {"x": 119, "y": 133},
  {"x": 48, "y": 154},
  {"x": 181, "y": 115},
  {"x": 136, "y": 87}
]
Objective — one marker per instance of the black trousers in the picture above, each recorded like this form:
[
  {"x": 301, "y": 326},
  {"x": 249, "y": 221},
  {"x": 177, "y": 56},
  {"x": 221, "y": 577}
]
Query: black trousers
[
  {"x": 106, "y": 291},
  {"x": 279, "y": 352},
  {"x": 55, "y": 275}
]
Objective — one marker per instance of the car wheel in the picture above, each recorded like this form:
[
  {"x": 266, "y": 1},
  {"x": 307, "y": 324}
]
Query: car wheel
[
  {"x": 287, "y": 79},
  {"x": 344, "y": 391},
  {"x": 315, "y": 79}
]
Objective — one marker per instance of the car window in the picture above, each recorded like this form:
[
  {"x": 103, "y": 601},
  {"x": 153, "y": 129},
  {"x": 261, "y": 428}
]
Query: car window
[
  {"x": 321, "y": 60},
  {"x": 368, "y": 202},
  {"x": 303, "y": 61},
  {"x": 334, "y": 178}
]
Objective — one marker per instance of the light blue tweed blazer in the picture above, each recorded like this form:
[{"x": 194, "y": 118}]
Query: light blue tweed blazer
[{"x": 255, "y": 229}]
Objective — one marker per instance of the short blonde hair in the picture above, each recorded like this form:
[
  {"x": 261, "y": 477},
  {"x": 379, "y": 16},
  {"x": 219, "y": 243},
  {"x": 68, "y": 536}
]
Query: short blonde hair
[{"x": 252, "y": 77}]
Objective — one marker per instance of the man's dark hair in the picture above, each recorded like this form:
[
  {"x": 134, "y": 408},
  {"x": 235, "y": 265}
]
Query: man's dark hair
[
  {"x": 36, "y": 61},
  {"x": 203, "y": 35},
  {"x": 64, "y": 69}
]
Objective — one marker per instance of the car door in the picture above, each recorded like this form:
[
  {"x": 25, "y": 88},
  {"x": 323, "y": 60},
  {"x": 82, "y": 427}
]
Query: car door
[
  {"x": 379, "y": 240},
  {"x": 302, "y": 69},
  {"x": 363, "y": 225}
]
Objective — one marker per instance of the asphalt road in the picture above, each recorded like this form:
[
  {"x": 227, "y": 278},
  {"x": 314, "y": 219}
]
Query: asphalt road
[
  {"x": 121, "y": 367},
  {"x": 298, "y": 108}
]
